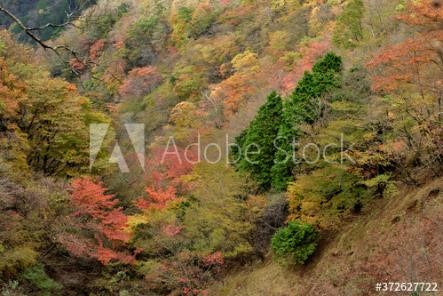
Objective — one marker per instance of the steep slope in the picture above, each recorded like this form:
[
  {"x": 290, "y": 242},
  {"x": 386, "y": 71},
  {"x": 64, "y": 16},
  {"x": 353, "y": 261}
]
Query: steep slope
[
  {"x": 397, "y": 239},
  {"x": 353, "y": 86},
  {"x": 37, "y": 13}
]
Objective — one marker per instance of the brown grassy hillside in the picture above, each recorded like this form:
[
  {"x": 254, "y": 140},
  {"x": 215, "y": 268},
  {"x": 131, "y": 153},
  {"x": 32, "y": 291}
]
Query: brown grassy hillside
[{"x": 397, "y": 240}]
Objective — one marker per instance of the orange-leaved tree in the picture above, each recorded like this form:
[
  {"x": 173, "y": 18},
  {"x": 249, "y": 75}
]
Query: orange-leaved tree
[
  {"x": 412, "y": 71},
  {"x": 418, "y": 60},
  {"x": 165, "y": 171},
  {"x": 98, "y": 228}
]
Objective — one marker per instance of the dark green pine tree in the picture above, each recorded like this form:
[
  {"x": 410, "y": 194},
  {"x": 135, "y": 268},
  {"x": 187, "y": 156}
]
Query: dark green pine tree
[
  {"x": 329, "y": 62},
  {"x": 284, "y": 159},
  {"x": 327, "y": 74},
  {"x": 302, "y": 107},
  {"x": 257, "y": 142}
]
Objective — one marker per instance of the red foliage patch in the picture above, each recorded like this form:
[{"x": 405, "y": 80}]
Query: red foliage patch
[
  {"x": 96, "y": 49},
  {"x": 310, "y": 53},
  {"x": 165, "y": 171},
  {"x": 411, "y": 61},
  {"x": 99, "y": 224},
  {"x": 77, "y": 65},
  {"x": 140, "y": 81}
]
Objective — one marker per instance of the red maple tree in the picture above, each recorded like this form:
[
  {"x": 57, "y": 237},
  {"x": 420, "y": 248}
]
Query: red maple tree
[
  {"x": 165, "y": 172},
  {"x": 100, "y": 226}
]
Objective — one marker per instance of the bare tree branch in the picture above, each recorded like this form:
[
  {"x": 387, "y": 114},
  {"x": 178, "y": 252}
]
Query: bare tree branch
[
  {"x": 30, "y": 32},
  {"x": 51, "y": 25}
]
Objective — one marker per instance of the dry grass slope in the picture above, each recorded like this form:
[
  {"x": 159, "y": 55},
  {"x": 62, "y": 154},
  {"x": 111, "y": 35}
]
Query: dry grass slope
[{"x": 397, "y": 240}]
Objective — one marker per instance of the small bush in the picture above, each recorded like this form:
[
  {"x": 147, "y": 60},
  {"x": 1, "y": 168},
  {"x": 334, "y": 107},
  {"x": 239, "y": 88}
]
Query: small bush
[
  {"x": 37, "y": 276},
  {"x": 295, "y": 243}
]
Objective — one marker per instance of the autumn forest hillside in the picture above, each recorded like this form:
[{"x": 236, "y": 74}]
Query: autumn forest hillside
[{"x": 220, "y": 147}]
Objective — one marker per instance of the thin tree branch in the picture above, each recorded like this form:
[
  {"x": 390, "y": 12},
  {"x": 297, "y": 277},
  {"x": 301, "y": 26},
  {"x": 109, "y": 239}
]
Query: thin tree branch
[
  {"x": 30, "y": 32},
  {"x": 51, "y": 25}
]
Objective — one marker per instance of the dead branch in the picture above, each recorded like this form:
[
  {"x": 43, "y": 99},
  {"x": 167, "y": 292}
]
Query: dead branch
[
  {"x": 51, "y": 25},
  {"x": 30, "y": 32}
]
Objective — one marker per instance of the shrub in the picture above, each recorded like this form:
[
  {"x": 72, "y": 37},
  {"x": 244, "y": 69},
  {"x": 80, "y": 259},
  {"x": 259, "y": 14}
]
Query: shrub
[
  {"x": 271, "y": 218},
  {"x": 295, "y": 243},
  {"x": 16, "y": 259},
  {"x": 324, "y": 195},
  {"x": 37, "y": 276}
]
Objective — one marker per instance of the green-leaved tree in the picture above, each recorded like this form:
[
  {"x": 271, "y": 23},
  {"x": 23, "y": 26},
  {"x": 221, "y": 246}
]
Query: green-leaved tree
[{"x": 349, "y": 29}]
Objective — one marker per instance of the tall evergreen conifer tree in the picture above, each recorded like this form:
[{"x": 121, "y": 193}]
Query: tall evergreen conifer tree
[
  {"x": 267, "y": 148},
  {"x": 302, "y": 107},
  {"x": 257, "y": 142}
]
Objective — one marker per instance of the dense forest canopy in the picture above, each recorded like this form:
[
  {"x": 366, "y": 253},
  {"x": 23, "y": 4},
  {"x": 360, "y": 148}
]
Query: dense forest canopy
[{"x": 220, "y": 147}]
